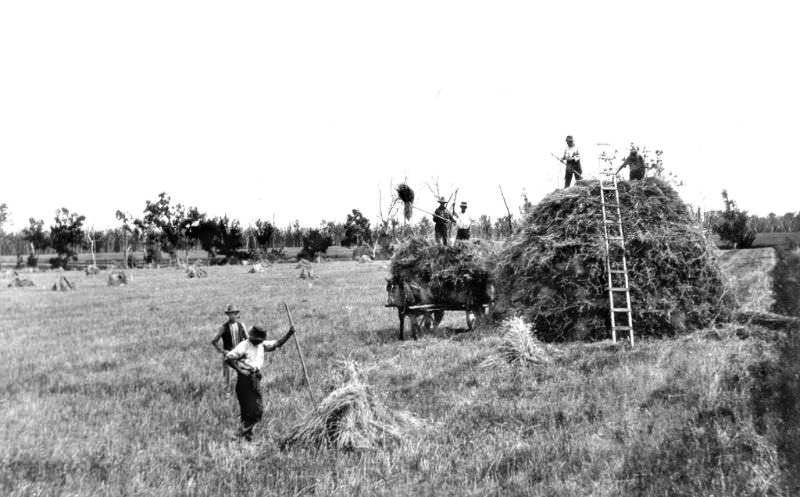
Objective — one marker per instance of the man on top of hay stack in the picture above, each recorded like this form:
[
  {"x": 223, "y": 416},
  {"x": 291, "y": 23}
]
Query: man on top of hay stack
[
  {"x": 636, "y": 164},
  {"x": 232, "y": 332},
  {"x": 441, "y": 220},
  {"x": 571, "y": 159},
  {"x": 463, "y": 223},
  {"x": 247, "y": 358}
]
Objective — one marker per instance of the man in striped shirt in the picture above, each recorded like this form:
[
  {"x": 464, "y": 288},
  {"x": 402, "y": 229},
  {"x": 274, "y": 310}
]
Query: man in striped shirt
[{"x": 232, "y": 332}]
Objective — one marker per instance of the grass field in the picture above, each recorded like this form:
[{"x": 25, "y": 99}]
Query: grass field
[{"x": 116, "y": 391}]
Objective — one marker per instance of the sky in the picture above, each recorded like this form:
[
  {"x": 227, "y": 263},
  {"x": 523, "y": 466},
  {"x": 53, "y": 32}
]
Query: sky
[{"x": 308, "y": 109}]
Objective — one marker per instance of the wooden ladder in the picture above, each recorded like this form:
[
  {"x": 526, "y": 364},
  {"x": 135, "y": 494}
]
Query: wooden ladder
[{"x": 616, "y": 261}]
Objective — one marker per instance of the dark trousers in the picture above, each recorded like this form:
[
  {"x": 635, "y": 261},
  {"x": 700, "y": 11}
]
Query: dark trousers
[
  {"x": 572, "y": 168},
  {"x": 440, "y": 231},
  {"x": 462, "y": 234},
  {"x": 248, "y": 392},
  {"x": 637, "y": 174}
]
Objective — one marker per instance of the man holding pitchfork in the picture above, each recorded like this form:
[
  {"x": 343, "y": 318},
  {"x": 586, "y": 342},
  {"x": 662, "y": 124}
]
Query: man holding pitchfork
[{"x": 247, "y": 358}]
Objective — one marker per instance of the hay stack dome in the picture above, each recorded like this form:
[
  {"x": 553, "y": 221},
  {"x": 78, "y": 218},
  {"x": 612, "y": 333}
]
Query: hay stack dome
[{"x": 552, "y": 272}]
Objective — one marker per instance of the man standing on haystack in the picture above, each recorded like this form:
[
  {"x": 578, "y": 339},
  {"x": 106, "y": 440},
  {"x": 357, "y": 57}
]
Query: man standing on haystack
[
  {"x": 441, "y": 220},
  {"x": 247, "y": 359},
  {"x": 571, "y": 159},
  {"x": 232, "y": 332},
  {"x": 463, "y": 223},
  {"x": 635, "y": 163}
]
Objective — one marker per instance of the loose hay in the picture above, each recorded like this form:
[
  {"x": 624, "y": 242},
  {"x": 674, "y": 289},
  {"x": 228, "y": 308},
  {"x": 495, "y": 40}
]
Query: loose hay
[
  {"x": 519, "y": 347},
  {"x": 117, "y": 278},
  {"x": 457, "y": 274},
  {"x": 62, "y": 284},
  {"x": 196, "y": 272},
  {"x": 18, "y": 282},
  {"x": 552, "y": 271},
  {"x": 406, "y": 195},
  {"x": 92, "y": 270},
  {"x": 351, "y": 417},
  {"x": 306, "y": 273}
]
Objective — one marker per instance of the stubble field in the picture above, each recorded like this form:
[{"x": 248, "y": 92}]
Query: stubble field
[{"x": 117, "y": 391}]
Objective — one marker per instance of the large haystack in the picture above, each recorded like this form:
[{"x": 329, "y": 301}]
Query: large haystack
[
  {"x": 454, "y": 274},
  {"x": 552, "y": 271}
]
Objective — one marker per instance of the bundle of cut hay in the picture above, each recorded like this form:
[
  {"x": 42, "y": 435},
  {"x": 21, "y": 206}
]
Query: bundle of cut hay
[
  {"x": 552, "y": 271},
  {"x": 307, "y": 274},
  {"x": 18, "y": 282},
  {"x": 256, "y": 268},
  {"x": 519, "y": 347},
  {"x": 62, "y": 284},
  {"x": 351, "y": 417},
  {"x": 117, "y": 278},
  {"x": 406, "y": 195},
  {"x": 92, "y": 270},
  {"x": 456, "y": 274},
  {"x": 303, "y": 263},
  {"x": 195, "y": 272}
]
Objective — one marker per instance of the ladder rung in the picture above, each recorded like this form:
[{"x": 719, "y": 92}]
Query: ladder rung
[
  {"x": 623, "y": 328},
  {"x": 616, "y": 238},
  {"x": 613, "y": 206},
  {"x": 612, "y": 222},
  {"x": 617, "y": 271},
  {"x": 620, "y": 289},
  {"x": 608, "y": 188},
  {"x": 621, "y": 309}
]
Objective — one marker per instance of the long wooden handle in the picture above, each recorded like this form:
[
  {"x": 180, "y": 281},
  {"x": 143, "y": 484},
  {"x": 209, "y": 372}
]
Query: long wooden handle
[
  {"x": 300, "y": 353},
  {"x": 432, "y": 214}
]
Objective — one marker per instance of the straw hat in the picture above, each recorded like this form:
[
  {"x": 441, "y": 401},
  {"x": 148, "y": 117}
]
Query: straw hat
[
  {"x": 231, "y": 309},
  {"x": 442, "y": 200},
  {"x": 463, "y": 204},
  {"x": 258, "y": 332}
]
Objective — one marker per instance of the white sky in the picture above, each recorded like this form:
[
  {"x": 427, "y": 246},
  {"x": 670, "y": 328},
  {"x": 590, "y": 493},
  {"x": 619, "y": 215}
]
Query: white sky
[{"x": 303, "y": 109}]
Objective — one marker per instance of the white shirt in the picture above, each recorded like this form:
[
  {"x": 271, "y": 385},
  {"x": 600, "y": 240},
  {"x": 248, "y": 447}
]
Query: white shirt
[
  {"x": 571, "y": 153},
  {"x": 252, "y": 355},
  {"x": 463, "y": 221}
]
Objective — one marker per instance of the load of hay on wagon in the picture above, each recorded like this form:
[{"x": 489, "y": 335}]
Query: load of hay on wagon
[
  {"x": 428, "y": 273},
  {"x": 552, "y": 271}
]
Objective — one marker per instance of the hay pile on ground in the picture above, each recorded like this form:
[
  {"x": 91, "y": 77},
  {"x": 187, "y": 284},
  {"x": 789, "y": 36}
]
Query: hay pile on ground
[
  {"x": 92, "y": 270},
  {"x": 117, "y": 278},
  {"x": 351, "y": 417},
  {"x": 18, "y": 282},
  {"x": 257, "y": 268},
  {"x": 196, "y": 272},
  {"x": 62, "y": 284},
  {"x": 519, "y": 346},
  {"x": 456, "y": 274},
  {"x": 552, "y": 271}
]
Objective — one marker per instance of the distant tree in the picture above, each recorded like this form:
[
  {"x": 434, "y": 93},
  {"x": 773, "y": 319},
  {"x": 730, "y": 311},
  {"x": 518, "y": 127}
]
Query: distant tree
[
  {"x": 263, "y": 233},
  {"x": 356, "y": 230},
  {"x": 733, "y": 225},
  {"x": 127, "y": 229},
  {"x": 66, "y": 236},
  {"x": 206, "y": 231},
  {"x": 36, "y": 235},
  {"x": 424, "y": 227},
  {"x": 314, "y": 242},
  {"x": 229, "y": 236},
  {"x": 485, "y": 227}
]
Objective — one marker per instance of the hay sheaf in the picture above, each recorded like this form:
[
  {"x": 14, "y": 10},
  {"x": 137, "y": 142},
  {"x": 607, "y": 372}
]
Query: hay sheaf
[
  {"x": 552, "y": 271},
  {"x": 450, "y": 272},
  {"x": 351, "y": 417},
  {"x": 519, "y": 347}
]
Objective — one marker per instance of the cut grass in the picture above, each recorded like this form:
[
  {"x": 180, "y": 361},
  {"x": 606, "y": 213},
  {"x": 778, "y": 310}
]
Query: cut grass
[{"x": 117, "y": 391}]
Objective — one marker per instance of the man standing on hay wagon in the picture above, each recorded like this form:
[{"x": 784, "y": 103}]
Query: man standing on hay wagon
[
  {"x": 247, "y": 359},
  {"x": 463, "y": 223},
  {"x": 635, "y": 162},
  {"x": 572, "y": 159},
  {"x": 232, "y": 332},
  {"x": 441, "y": 221}
]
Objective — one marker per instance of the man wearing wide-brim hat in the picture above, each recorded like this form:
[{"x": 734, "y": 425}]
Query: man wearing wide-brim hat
[
  {"x": 463, "y": 223},
  {"x": 571, "y": 159},
  {"x": 441, "y": 220},
  {"x": 247, "y": 359},
  {"x": 231, "y": 332}
]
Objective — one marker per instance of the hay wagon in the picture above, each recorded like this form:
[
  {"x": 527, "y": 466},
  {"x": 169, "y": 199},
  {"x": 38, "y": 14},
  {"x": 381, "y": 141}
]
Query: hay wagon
[{"x": 425, "y": 311}]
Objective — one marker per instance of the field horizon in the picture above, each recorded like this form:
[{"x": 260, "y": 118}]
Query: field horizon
[{"x": 117, "y": 391}]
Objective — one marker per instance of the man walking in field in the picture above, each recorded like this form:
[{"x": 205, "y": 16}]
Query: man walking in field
[
  {"x": 635, "y": 163},
  {"x": 247, "y": 358},
  {"x": 572, "y": 159},
  {"x": 232, "y": 332},
  {"x": 441, "y": 220},
  {"x": 463, "y": 223}
]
